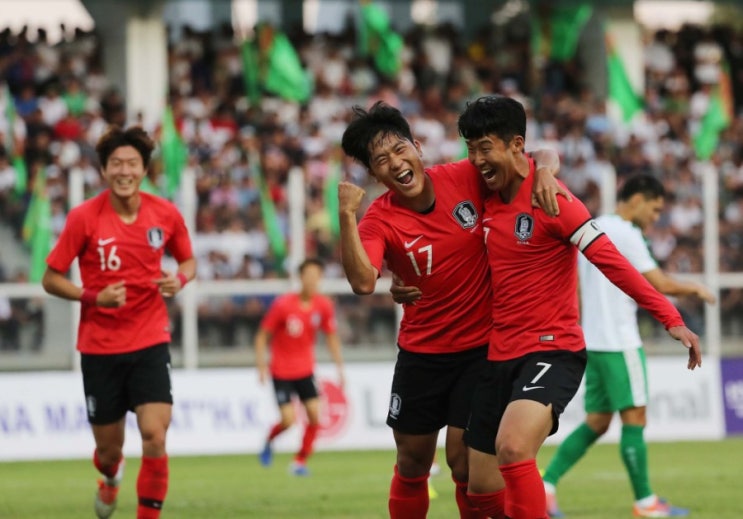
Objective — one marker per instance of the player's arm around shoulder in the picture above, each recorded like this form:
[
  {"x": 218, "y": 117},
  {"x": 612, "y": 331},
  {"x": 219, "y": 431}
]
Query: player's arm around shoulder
[{"x": 546, "y": 188}]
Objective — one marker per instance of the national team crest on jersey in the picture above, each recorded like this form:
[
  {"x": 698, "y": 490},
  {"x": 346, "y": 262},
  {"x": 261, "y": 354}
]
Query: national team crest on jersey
[
  {"x": 524, "y": 226},
  {"x": 466, "y": 214},
  {"x": 155, "y": 237}
]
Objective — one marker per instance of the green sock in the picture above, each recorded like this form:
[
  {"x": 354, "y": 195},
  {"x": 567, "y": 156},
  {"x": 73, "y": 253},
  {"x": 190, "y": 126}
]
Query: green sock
[
  {"x": 569, "y": 452},
  {"x": 634, "y": 452}
]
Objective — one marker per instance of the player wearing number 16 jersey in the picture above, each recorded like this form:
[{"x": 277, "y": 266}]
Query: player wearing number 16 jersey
[
  {"x": 537, "y": 352},
  {"x": 427, "y": 229},
  {"x": 119, "y": 238}
]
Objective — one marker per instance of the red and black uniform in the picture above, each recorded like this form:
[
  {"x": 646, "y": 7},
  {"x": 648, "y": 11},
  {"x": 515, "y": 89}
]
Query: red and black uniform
[
  {"x": 443, "y": 335},
  {"x": 125, "y": 358}
]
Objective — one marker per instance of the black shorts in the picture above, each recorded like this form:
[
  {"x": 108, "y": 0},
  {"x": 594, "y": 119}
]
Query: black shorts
[
  {"x": 305, "y": 388},
  {"x": 549, "y": 377},
  {"x": 431, "y": 390},
  {"x": 117, "y": 383}
]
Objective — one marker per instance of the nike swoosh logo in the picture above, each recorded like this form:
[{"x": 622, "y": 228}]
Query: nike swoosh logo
[
  {"x": 101, "y": 242},
  {"x": 529, "y": 388},
  {"x": 409, "y": 244}
]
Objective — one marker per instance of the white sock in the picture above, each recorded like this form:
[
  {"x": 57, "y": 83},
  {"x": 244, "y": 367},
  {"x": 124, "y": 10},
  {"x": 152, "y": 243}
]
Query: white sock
[{"x": 647, "y": 501}]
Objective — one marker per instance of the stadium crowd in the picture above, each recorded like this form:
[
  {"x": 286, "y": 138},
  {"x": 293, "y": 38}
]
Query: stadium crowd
[{"x": 64, "y": 102}]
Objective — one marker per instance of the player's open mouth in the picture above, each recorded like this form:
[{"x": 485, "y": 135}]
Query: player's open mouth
[
  {"x": 488, "y": 174},
  {"x": 406, "y": 177}
]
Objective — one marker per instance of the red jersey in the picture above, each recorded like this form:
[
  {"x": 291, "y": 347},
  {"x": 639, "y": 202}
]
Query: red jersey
[
  {"x": 110, "y": 250},
  {"x": 533, "y": 266},
  {"x": 442, "y": 253},
  {"x": 293, "y": 325}
]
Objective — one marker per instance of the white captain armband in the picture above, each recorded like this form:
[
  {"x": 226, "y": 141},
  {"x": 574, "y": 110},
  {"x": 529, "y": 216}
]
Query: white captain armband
[{"x": 585, "y": 235}]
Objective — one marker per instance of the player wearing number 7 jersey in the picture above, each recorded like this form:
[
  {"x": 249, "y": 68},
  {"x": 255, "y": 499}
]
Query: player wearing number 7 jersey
[
  {"x": 537, "y": 350},
  {"x": 427, "y": 228},
  {"x": 119, "y": 238}
]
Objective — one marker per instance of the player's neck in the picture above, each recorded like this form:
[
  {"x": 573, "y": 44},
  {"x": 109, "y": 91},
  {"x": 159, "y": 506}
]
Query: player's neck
[
  {"x": 520, "y": 172},
  {"x": 127, "y": 208},
  {"x": 624, "y": 212},
  {"x": 424, "y": 201}
]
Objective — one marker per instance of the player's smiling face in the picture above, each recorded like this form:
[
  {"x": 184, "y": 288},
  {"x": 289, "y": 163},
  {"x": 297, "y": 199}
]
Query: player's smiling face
[
  {"x": 396, "y": 162},
  {"x": 495, "y": 159},
  {"x": 124, "y": 171}
]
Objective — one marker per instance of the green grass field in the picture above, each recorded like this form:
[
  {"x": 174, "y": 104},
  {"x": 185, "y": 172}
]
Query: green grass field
[{"x": 704, "y": 476}]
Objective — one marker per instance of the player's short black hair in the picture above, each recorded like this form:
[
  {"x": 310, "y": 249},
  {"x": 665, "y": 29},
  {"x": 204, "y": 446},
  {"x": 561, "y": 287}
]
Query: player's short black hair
[
  {"x": 380, "y": 121},
  {"x": 501, "y": 116},
  {"x": 311, "y": 261},
  {"x": 650, "y": 187},
  {"x": 116, "y": 137}
]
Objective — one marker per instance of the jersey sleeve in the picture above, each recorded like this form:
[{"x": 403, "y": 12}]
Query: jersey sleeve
[
  {"x": 179, "y": 243},
  {"x": 620, "y": 271},
  {"x": 329, "y": 324},
  {"x": 372, "y": 235},
  {"x": 70, "y": 244},
  {"x": 634, "y": 248},
  {"x": 574, "y": 222}
]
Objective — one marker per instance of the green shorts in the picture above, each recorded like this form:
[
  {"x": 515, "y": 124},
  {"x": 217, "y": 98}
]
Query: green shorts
[{"x": 616, "y": 380}]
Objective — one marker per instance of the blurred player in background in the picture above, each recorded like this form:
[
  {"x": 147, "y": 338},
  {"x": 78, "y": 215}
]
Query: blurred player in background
[
  {"x": 427, "y": 229},
  {"x": 291, "y": 325},
  {"x": 536, "y": 351},
  {"x": 119, "y": 238},
  {"x": 616, "y": 373}
]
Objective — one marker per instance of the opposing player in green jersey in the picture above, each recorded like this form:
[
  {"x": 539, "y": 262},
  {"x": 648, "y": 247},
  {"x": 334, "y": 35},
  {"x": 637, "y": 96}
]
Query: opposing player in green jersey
[{"x": 616, "y": 375}]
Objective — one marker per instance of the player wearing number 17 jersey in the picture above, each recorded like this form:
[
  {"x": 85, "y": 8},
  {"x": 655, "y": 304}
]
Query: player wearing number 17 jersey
[
  {"x": 427, "y": 229},
  {"x": 119, "y": 238},
  {"x": 537, "y": 352}
]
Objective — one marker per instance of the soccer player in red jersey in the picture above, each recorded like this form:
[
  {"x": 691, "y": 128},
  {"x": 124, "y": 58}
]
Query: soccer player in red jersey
[
  {"x": 427, "y": 228},
  {"x": 537, "y": 350},
  {"x": 291, "y": 323},
  {"x": 119, "y": 238}
]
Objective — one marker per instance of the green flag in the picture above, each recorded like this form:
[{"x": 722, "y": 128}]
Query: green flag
[
  {"x": 330, "y": 195},
  {"x": 270, "y": 62},
  {"x": 556, "y": 30},
  {"x": 37, "y": 228},
  {"x": 174, "y": 153},
  {"x": 621, "y": 91},
  {"x": 376, "y": 37},
  {"x": 16, "y": 159},
  {"x": 276, "y": 238},
  {"x": 714, "y": 121},
  {"x": 250, "y": 71},
  {"x": 285, "y": 76},
  {"x": 718, "y": 116}
]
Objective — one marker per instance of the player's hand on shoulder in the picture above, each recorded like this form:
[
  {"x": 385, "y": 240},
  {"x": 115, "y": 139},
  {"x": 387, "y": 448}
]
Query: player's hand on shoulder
[
  {"x": 690, "y": 340},
  {"x": 546, "y": 190},
  {"x": 402, "y": 294},
  {"x": 113, "y": 296},
  {"x": 349, "y": 197}
]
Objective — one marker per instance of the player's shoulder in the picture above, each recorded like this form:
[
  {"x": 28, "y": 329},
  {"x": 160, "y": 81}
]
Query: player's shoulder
[
  {"x": 157, "y": 202},
  {"x": 570, "y": 207},
  {"x": 459, "y": 172}
]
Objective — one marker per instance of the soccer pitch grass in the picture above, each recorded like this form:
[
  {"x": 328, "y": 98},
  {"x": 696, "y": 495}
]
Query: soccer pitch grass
[{"x": 704, "y": 476}]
